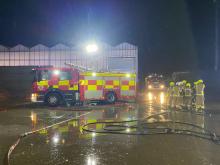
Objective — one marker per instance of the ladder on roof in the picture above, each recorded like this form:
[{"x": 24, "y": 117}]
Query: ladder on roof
[{"x": 80, "y": 68}]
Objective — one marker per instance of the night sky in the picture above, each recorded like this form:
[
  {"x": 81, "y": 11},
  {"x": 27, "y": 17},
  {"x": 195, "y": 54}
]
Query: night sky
[{"x": 172, "y": 35}]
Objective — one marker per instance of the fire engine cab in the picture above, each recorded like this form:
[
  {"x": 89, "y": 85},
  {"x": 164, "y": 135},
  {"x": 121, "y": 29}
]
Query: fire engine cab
[{"x": 55, "y": 86}]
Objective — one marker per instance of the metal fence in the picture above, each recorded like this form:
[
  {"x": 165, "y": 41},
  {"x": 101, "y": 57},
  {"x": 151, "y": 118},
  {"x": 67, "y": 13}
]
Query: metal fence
[{"x": 123, "y": 57}]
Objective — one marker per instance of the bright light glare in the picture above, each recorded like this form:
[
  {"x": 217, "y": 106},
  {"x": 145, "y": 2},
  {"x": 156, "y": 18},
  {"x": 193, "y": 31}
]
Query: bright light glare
[
  {"x": 149, "y": 86},
  {"x": 56, "y": 72},
  {"x": 91, "y": 161},
  {"x": 128, "y": 130},
  {"x": 91, "y": 48},
  {"x": 161, "y": 86},
  {"x": 93, "y": 74},
  {"x": 93, "y": 134},
  {"x": 34, "y": 97},
  {"x": 162, "y": 98},
  {"x": 128, "y": 75},
  {"x": 32, "y": 117},
  {"x": 56, "y": 139},
  {"x": 150, "y": 96}
]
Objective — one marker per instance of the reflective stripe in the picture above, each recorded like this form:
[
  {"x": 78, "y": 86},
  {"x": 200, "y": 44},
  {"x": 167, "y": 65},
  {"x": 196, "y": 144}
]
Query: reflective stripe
[
  {"x": 188, "y": 92},
  {"x": 116, "y": 82},
  {"x": 86, "y": 82},
  {"x": 41, "y": 83},
  {"x": 109, "y": 86},
  {"x": 64, "y": 82},
  {"x": 99, "y": 82},
  {"x": 63, "y": 85},
  {"x": 75, "y": 88},
  {"x": 92, "y": 87},
  {"x": 107, "y": 74},
  {"x": 92, "y": 84},
  {"x": 126, "y": 85},
  {"x": 131, "y": 82},
  {"x": 125, "y": 88}
]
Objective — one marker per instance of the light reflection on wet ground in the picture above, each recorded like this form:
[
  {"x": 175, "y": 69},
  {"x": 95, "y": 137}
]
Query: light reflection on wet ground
[{"x": 67, "y": 144}]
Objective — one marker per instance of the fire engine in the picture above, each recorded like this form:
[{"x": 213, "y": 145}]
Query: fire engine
[
  {"x": 155, "y": 82},
  {"x": 55, "y": 86},
  {"x": 155, "y": 88}
]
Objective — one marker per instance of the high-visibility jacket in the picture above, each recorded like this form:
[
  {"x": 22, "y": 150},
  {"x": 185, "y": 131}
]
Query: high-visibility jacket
[
  {"x": 200, "y": 89},
  {"x": 187, "y": 92},
  {"x": 176, "y": 92}
]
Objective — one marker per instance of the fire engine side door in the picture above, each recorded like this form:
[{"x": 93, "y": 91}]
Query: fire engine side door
[
  {"x": 74, "y": 82},
  {"x": 68, "y": 80}
]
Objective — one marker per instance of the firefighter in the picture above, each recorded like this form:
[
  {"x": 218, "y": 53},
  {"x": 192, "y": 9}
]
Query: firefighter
[
  {"x": 179, "y": 101},
  {"x": 193, "y": 95},
  {"x": 174, "y": 103},
  {"x": 182, "y": 92},
  {"x": 170, "y": 92},
  {"x": 184, "y": 82},
  {"x": 188, "y": 96},
  {"x": 199, "y": 95}
]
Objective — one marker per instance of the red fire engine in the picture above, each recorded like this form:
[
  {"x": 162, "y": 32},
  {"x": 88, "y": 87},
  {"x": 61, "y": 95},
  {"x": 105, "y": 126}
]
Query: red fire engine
[{"x": 55, "y": 86}]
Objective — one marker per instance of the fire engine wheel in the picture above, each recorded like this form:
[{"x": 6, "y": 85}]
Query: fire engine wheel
[
  {"x": 110, "y": 97},
  {"x": 53, "y": 99}
]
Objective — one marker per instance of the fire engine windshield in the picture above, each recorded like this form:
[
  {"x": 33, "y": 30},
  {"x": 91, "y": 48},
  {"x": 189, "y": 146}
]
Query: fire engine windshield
[
  {"x": 64, "y": 75},
  {"x": 48, "y": 74},
  {"x": 154, "y": 79},
  {"x": 44, "y": 75}
]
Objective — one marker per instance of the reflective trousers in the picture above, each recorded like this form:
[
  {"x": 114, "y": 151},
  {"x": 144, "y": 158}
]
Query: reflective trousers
[
  {"x": 199, "y": 102},
  {"x": 169, "y": 100},
  {"x": 179, "y": 101},
  {"x": 173, "y": 101},
  {"x": 187, "y": 101}
]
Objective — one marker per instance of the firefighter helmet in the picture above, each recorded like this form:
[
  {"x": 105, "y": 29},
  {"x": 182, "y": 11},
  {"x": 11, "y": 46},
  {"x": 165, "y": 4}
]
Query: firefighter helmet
[
  {"x": 172, "y": 84},
  {"x": 200, "y": 81},
  {"x": 188, "y": 85},
  {"x": 184, "y": 81}
]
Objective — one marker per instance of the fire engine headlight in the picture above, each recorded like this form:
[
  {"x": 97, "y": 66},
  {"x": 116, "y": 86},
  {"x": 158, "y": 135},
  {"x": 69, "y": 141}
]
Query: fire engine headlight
[
  {"x": 162, "y": 98},
  {"x": 150, "y": 96},
  {"x": 149, "y": 86},
  {"x": 161, "y": 86},
  {"x": 33, "y": 97}
]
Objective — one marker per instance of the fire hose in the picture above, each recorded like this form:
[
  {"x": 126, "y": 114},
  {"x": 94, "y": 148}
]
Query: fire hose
[
  {"x": 107, "y": 130},
  {"x": 145, "y": 128},
  {"x": 15, "y": 144}
]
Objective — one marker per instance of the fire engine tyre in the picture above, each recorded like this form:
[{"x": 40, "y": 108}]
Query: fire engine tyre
[
  {"x": 53, "y": 99},
  {"x": 110, "y": 97}
]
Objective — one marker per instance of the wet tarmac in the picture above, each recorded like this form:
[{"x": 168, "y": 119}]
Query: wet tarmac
[{"x": 118, "y": 143}]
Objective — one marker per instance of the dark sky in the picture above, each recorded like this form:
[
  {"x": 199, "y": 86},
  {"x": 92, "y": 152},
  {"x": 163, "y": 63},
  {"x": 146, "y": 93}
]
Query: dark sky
[{"x": 172, "y": 35}]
